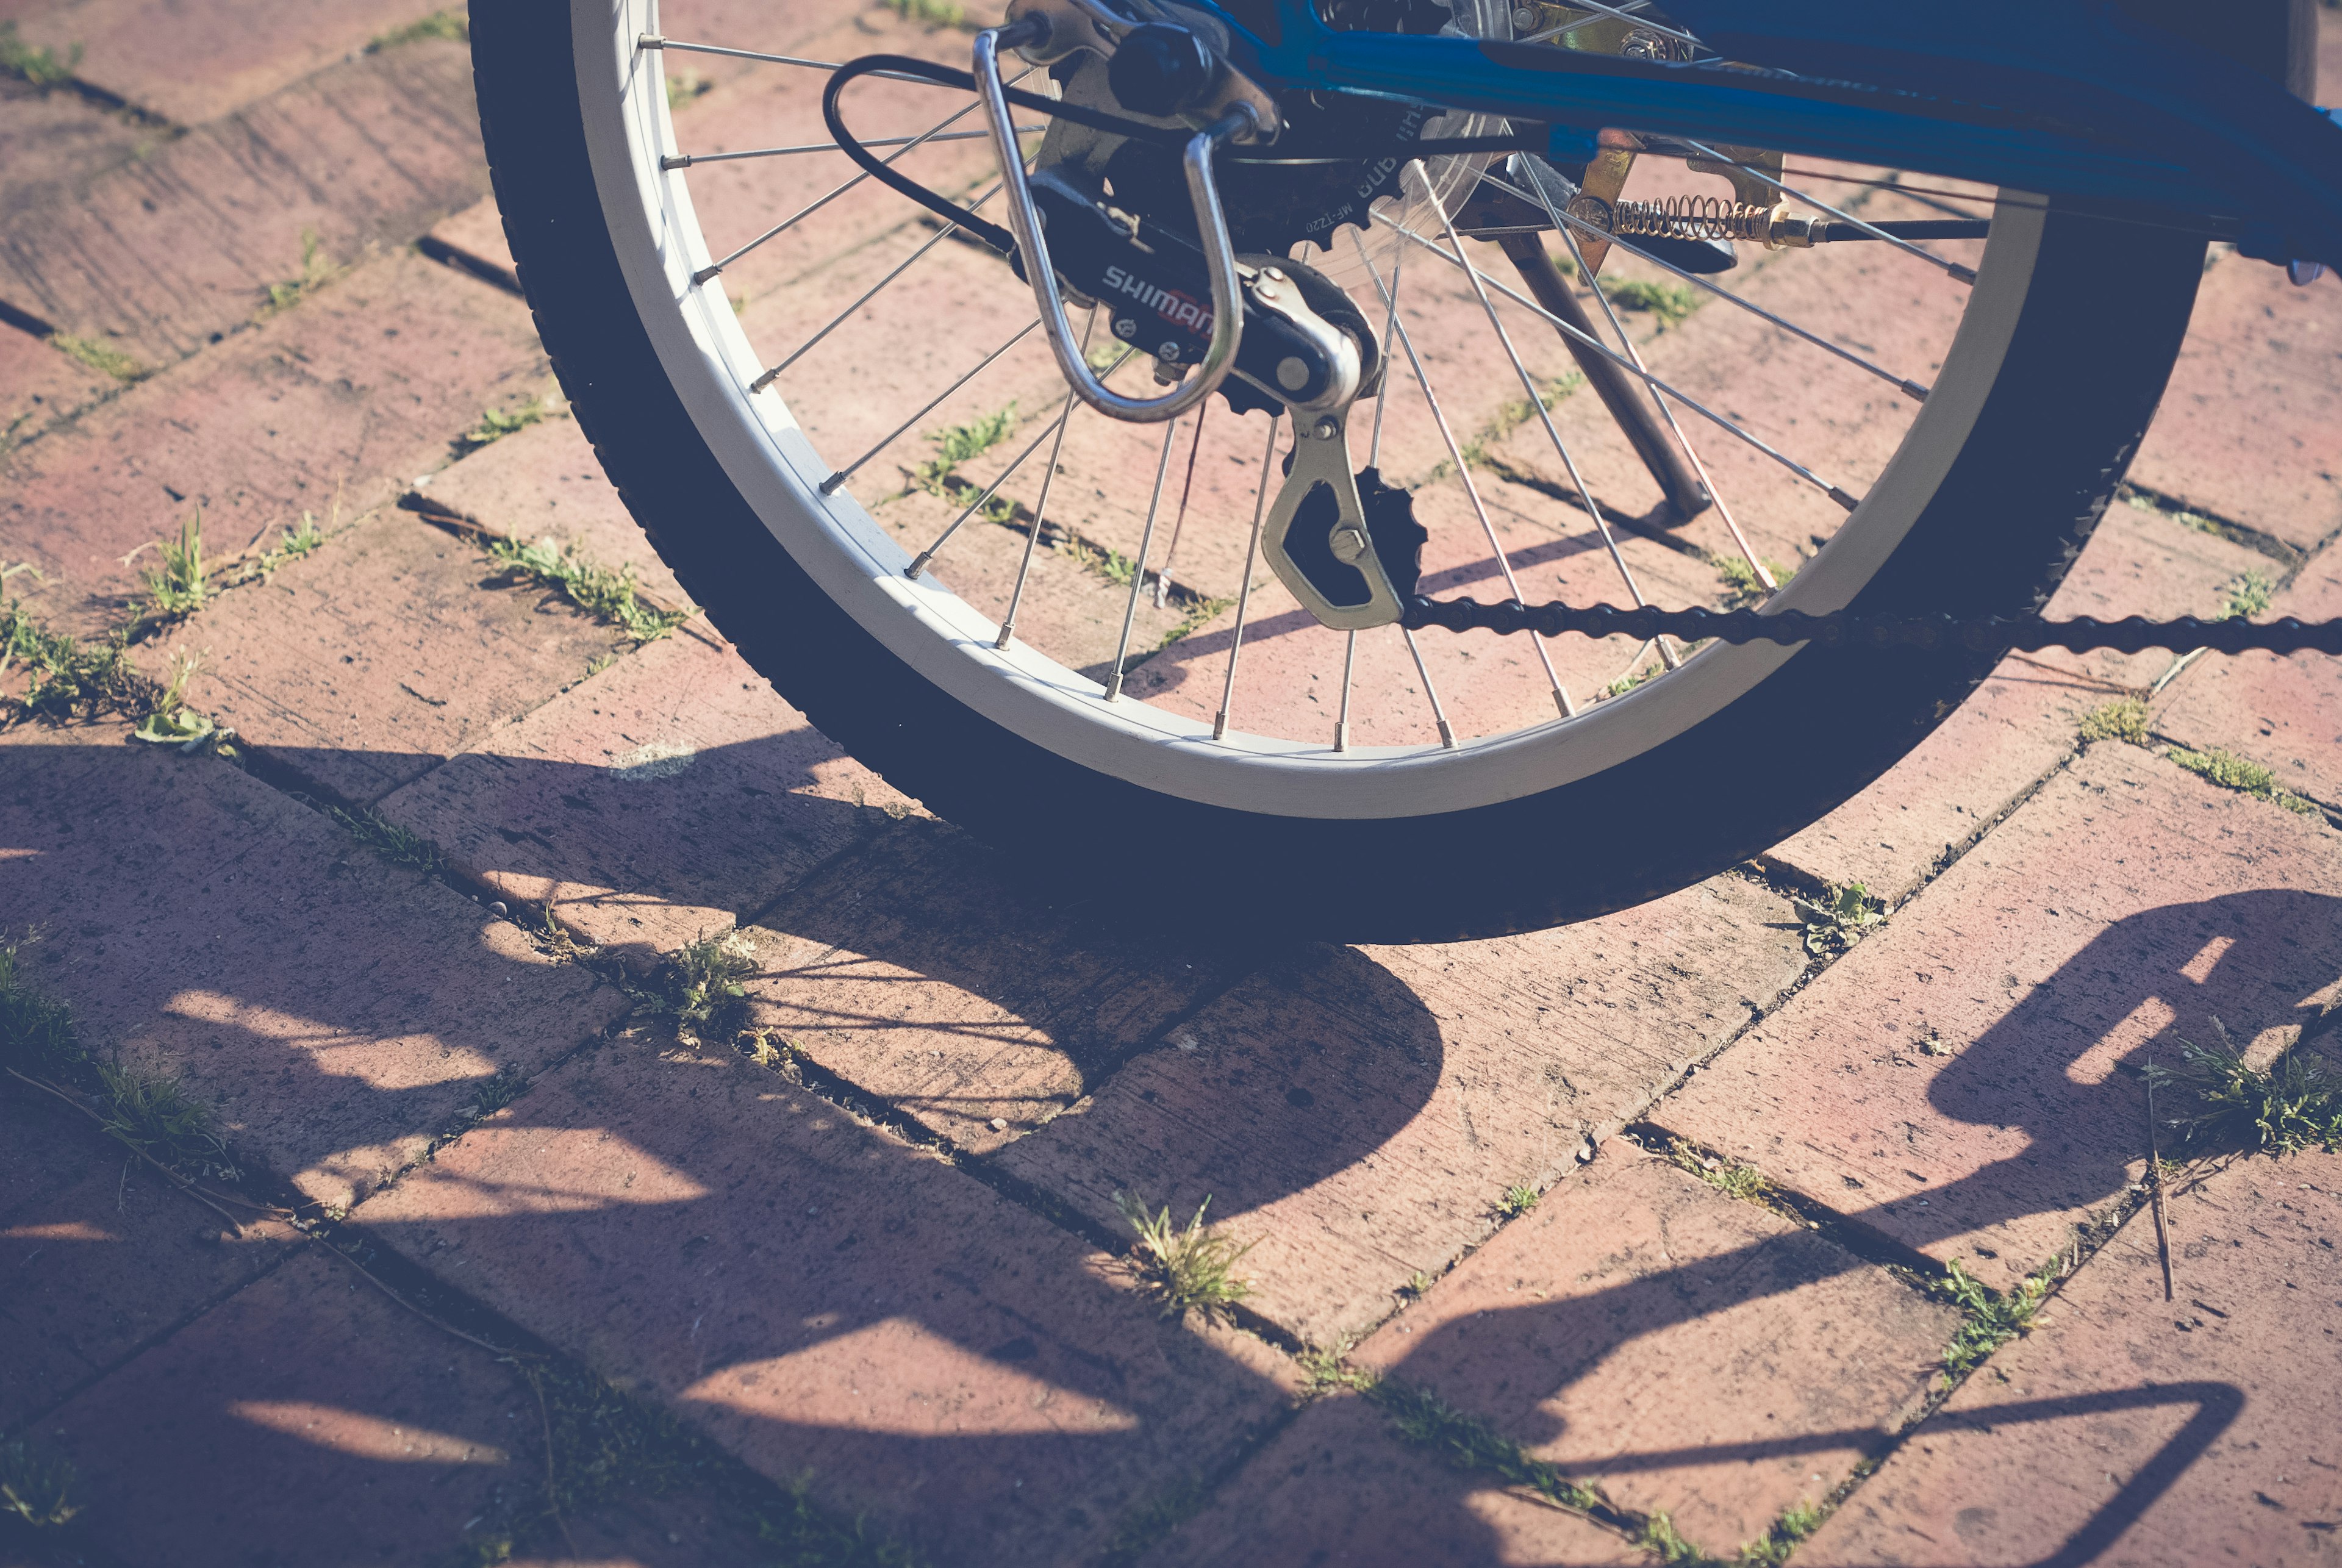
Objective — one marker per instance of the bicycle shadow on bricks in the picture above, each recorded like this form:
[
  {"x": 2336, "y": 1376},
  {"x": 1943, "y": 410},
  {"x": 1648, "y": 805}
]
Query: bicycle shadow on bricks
[{"x": 2048, "y": 1105}]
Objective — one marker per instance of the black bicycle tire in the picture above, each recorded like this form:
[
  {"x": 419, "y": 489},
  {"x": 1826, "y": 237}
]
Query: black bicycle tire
[{"x": 2083, "y": 373}]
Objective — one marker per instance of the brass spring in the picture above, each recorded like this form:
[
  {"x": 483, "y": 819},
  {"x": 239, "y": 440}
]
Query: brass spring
[{"x": 1692, "y": 218}]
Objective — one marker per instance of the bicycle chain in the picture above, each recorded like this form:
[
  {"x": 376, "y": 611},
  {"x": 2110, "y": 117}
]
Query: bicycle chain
[{"x": 1839, "y": 628}]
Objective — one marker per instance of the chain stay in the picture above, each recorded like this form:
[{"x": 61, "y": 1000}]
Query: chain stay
[{"x": 1983, "y": 634}]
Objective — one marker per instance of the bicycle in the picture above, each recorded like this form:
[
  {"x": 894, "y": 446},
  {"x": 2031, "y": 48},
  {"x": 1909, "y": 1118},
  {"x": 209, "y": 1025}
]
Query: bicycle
[{"x": 1246, "y": 196}]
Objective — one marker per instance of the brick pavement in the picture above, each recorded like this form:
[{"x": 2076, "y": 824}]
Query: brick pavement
[{"x": 1647, "y": 1217}]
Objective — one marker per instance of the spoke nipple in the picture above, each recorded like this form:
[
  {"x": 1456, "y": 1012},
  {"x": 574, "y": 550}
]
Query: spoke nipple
[
  {"x": 675, "y": 161},
  {"x": 1914, "y": 392},
  {"x": 765, "y": 380},
  {"x": 1220, "y": 725},
  {"x": 1447, "y": 735},
  {"x": 829, "y": 485},
  {"x": 1843, "y": 499},
  {"x": 1964, "y": 274},
  {"x": 918, "y": 564},
  {"x": 650, "y": 40},
  {"x": 704, "y": 274}
]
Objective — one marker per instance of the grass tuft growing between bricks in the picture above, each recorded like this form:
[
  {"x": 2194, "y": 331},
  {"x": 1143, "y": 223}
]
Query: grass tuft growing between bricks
[
  {"x": 2250, "y": 595},
  {"x": 1154, "y": 1520},
  {"x": 2123, "y": 719},
  {"x": 36, "y": 1484},
  {"x": 64, "y": 677},
  {"x": 1468, "y": 1443},
  {"x": 961, "y": 444},
  {"x": 388, "y": 841},
  {"x": 42, "y": 67},
  {"x": 147, "y": 1114},
  {"x": 2289, "y": 1106},
  {"x": 1742, "y": 589},
  {"x": 1788, "y": 1532},
  {"x": 934, "y": 13},
  {"x": 702, "y": 990},
  {"x": 1185, "y": 1271},
  {"x": 1517, "y": 1201},
  {"x": 610, "y": 596},
  {"x": 317, "y": 269},
  {"x": 454, "y": 27},
  {"x": 496, "y": 423},
  {"x": 2230, "y": 771},
  {"x": 1671, "y": 302},
  {"x": 1990, "y": 1319},
  {"x": 178, "y": 585},
  {"x": 100, "y": 358},
  {"x": 1844, "y": 917},
  {"x": 1732, "y": 1178}
]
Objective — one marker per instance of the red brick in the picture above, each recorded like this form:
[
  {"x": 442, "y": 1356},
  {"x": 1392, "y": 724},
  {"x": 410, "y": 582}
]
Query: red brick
[
  {"x": 920, "y": 971},
  {"x": 828, "y": 1302},
  {"x": 475, "y": 238},
  {"x": 2011, "y": 732},
  {"x": 662, "y": 1531},
  {"x": 544, "y": 483},
  {"x": 2284, "y": 712},
  {"x": 193, "y": 62},
  {"x": 1338, "y": 1487},
  {"x": 332, "y": 1012},
  {"x": 2246, "y": 431},
  {"x": 105, "y": 1257},
  {"x": 1963, "y": 1083},
  {"x": 651, "y": 804},
  {"x": 163, "y": 255},
  {"x": 390, "y": 650},
  {"x": 1357, "y": 1115},
  {"x": 1677, "y": 1350},
  {"x": 349, "y": 397},
  {"x": 39, "y": 384},
  {"x": 306, "y": 1409},
  {"x": 2146, "y": 563},
  {"x": 56, "y": 139},
  {"x": 2128, "y": 1429}
]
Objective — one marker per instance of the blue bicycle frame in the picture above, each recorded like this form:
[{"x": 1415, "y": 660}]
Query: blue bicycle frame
[{"x": 2053, "y": 96}]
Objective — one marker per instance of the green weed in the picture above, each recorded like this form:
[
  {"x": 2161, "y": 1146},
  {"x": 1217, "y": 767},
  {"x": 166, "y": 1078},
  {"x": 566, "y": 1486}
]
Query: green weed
[
  {"x": 170, "y": 722},
  {"x": 1989, "y": 1319},
  {"x": 1659, "y": 1537},
  {"x": 1630, "y": 681},
  {"x": 1844, "y": 917},
  {"x": 609, "y": 596},
  {"x": 1468, "y": 1443},
  {"x": 1112, "y": 564},
  {"x": 1184, "y": 1270},
  {"x": 390, "y": 842},
  {"x": 42, "y": 67},
  {"x": 1788, "y": 1532},
  {"x": 179, "y": 585},
  {"x": 934, "y": 13},
  {"x": 65, "y": 677},
  {"x": 105, "y": 361},
  {"x": 2283, "y": 1110},
  {"x": 701, "y": 985},
  {"x": 453, "y": 26},
  {"x": 2248, "y": 596},
  {"x": 1200, "y": 613},
  {"x": 1730, "y": 1177},
  {"x": 1517, "y": 1201},
  {"x": 684, "y": 86},
  {"x": 1323, "y": 1371},
  {"x": 496, "y": 423},
  {"x": 36, "y": 1484},
  {"x": 961, "y": 444},
  {"x": 2230, "y": 771},
  {"x": 153, "y": 1116},
  {"x": 2123, "y": 719},
  {"x": 316, "y": 267},
  {"x": 1743, "y": 590},
  {"x": 36, "y": 1034},
  {"x": 1669, "y": 301}
]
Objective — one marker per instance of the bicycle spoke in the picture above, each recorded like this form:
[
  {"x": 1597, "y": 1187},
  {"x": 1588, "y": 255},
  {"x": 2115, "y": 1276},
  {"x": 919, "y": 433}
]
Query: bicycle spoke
[
  {"x": 1963, "y": 274},
  {"x": 787, "y": 224},
  {"x": 829, "y": 485},
  {"x": 1553, "y": 434},
  {"x": 1041, "y": 504},
  {"x": 685, "y": 160},
  {"x": 1138, "y": 567},
  {"x": 1244, "y": 585},
  {"x": 1438, "y": 714},
  {"x": 1563, "y": 218},
  {"x": 1349, "y": 672},
  {"x": 1843, "y": 497},
  {"x": 1390, "y": 325},
  {"x": 842, "y": 317},
  {"x": 1179, "y": 523},
  {"x": 678, "y": 46}
]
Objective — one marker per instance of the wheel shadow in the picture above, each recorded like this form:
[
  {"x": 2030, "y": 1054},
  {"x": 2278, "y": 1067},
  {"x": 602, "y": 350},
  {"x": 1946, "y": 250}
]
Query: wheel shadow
[{"x": 1004, "y": 1349}]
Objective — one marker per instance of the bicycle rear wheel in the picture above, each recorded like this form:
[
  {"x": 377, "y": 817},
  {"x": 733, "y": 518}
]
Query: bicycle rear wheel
[{"x": 2044, "y": 390}]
